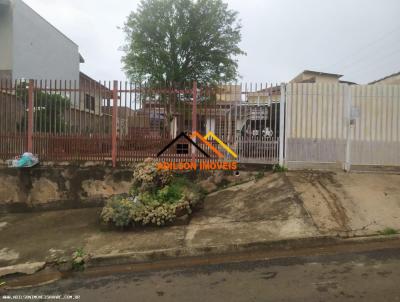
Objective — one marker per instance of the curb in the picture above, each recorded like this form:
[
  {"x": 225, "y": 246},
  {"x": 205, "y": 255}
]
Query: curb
[
  {"x": 287, "y": 244},
  {"x": 151, "y": 256}
]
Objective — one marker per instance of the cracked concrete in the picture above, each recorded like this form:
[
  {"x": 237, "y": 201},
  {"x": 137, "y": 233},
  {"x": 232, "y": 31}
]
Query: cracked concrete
[{"x": 277, "y": 207}]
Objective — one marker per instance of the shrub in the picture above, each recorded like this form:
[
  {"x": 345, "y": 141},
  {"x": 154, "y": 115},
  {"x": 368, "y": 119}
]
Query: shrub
[
  {"x": 79, "y": 258},
  {"x": 146, "y": 176},
  {"x": 388, "y": 231},
  {"x": 279, "y": 168},
  {"x": 156, "y": 198}
]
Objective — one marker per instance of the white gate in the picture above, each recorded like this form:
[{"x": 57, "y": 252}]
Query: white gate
[
  {"x": 342, "y": 124},
  {"x": 248, "y": 120}
]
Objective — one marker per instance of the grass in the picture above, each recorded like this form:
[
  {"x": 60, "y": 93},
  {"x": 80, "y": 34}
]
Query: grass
[
  {"x": 78, "y": 262},
  {"x": 279, "y": 168},
  {"x": 388, "y": 231},
  {"x": 173, "y": 192}
]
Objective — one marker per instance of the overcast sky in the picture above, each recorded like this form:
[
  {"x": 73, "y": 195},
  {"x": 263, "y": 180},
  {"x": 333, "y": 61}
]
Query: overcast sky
[{"x": 357, "y": 38}]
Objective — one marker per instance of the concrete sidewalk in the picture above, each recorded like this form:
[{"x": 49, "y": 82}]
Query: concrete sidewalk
[{"x": 278, "y": 207}]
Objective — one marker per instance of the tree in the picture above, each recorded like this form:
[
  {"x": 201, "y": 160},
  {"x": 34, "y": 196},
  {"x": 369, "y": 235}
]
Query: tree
[
  {"x": 50, "y": 111},
  {"x": 175, "y": 41}
]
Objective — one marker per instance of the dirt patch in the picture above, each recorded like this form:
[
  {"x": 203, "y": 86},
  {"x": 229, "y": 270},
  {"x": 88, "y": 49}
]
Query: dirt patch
[
  {"x": 322, "y": 196},
  {"x": 349, "y": 203}
]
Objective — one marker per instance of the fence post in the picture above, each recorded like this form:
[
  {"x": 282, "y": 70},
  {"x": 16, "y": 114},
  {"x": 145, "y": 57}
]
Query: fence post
[
  {"x": 30, "y": 115},
  {"x": 114, "y": 125},
  {"x": 282, "y": 109},
  {"x": 194, "y": 117},
  {"x": 348, "y": 103}
]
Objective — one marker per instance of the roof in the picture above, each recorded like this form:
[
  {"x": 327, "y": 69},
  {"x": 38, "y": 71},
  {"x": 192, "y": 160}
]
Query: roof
[
  {"x": 348, "y": 82},
  {"x": 387, "y": 77},
  {"x": 323, "y": 73},
  {"x": 101, "y": 87}
]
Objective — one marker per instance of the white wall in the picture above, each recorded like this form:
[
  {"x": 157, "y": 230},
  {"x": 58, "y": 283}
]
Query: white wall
[
  {"x": 40, "y": 51},
  {"x": 5, "y": 37}
]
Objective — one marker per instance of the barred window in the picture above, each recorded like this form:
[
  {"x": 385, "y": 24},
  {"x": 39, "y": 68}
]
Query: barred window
[{"x": 182, "y": 148}]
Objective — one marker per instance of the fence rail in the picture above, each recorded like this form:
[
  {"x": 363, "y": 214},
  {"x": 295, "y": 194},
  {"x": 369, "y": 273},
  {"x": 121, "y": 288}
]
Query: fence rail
[{"x": 121, "y": 121}]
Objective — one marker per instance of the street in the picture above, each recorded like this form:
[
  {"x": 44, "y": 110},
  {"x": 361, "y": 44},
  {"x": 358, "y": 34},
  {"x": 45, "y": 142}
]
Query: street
[{"x": 345, "y": 276}]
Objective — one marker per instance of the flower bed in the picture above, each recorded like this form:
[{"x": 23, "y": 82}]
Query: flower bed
[{"x": 157, "y": 198}]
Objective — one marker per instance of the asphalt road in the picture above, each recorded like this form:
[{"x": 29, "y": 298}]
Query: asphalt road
[{"x": 356, "y": 276}]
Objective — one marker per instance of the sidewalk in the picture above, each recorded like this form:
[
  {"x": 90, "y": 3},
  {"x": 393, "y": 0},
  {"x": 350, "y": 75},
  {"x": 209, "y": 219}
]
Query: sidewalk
[{"x": 279, "y": 207}]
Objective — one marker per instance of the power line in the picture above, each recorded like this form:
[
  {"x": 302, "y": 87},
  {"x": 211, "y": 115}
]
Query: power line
[
  {"x": 362, "y": 48},
  {"x": 363, "y": 58},
  {"x": 375, "y": 65}
]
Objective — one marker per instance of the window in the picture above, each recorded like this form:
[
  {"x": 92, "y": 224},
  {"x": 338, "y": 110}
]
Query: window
[
  {"x": 89, "y": 102},
  {"x": 182, "y": 148}
]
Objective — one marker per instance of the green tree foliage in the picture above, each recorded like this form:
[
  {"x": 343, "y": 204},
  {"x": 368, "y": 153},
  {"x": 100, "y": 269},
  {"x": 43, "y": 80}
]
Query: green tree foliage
[
  {"x": 174, "y": 41},
  {"x": 49, "y": 110}
]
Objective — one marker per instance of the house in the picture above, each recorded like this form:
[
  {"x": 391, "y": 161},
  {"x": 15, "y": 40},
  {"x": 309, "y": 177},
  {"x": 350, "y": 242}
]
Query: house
[
  {"x": 228, "y": 93},
  {"x": 393, "y": 79},
  {"x": 310, "y": 76},
  {"x": 126, "y": 116},
  {"x": 32, "y": 48},
  {"x": 263, "y": 96}
]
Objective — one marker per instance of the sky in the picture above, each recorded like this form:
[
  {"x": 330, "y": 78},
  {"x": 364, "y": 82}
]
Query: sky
[{"x": 359, "y": 39}]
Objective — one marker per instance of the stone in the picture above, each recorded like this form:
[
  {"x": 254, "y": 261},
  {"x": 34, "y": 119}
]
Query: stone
[
  {"x": 28, "y": 268},
  {"x": 7, "y": 254}
]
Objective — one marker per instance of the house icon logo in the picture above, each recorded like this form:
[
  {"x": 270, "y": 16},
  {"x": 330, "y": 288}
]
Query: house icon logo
[{"x": 184, "y": 148}]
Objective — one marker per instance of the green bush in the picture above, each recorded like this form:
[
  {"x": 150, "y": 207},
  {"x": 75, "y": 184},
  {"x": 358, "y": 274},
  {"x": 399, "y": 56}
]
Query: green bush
[
  {"x": 388, "y": 231},
  {"x": 156, "y": 198},
  {"x": 279, "y": 168},
  {"x": 79, "y": 258}
]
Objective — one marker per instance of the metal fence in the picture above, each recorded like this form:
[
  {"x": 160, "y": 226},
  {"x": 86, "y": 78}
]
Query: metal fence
[
  {"x": 343, "y": 124},
  {"x": 120, "y": 121}
]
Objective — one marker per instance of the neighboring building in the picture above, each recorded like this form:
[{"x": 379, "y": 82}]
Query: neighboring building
[
  {"x": 125, "y": 118},
  {"x": 229, "y": 93},
  {"x": 309, "y": 76},
  {"x": 393, "y": 79},
  {"x": 264, "y": 96},
  {"x": 93, "y": 95},
  {"x": 31, "y": 48}
]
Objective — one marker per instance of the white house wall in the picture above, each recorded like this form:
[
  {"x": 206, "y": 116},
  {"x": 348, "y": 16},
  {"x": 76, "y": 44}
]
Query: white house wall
[
  {"x": 40, "y": 51},
  {"x": 5, "y": 38}
]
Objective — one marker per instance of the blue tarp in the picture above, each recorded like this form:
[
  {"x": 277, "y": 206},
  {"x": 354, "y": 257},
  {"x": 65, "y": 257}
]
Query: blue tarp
[{"x": 26, "y": 160}]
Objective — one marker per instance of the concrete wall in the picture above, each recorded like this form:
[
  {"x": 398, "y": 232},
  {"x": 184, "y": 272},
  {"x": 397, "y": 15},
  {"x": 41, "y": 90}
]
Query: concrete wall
[
  {"x": 40, "y": 51},
  {"x": 46, "y": 187}
]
